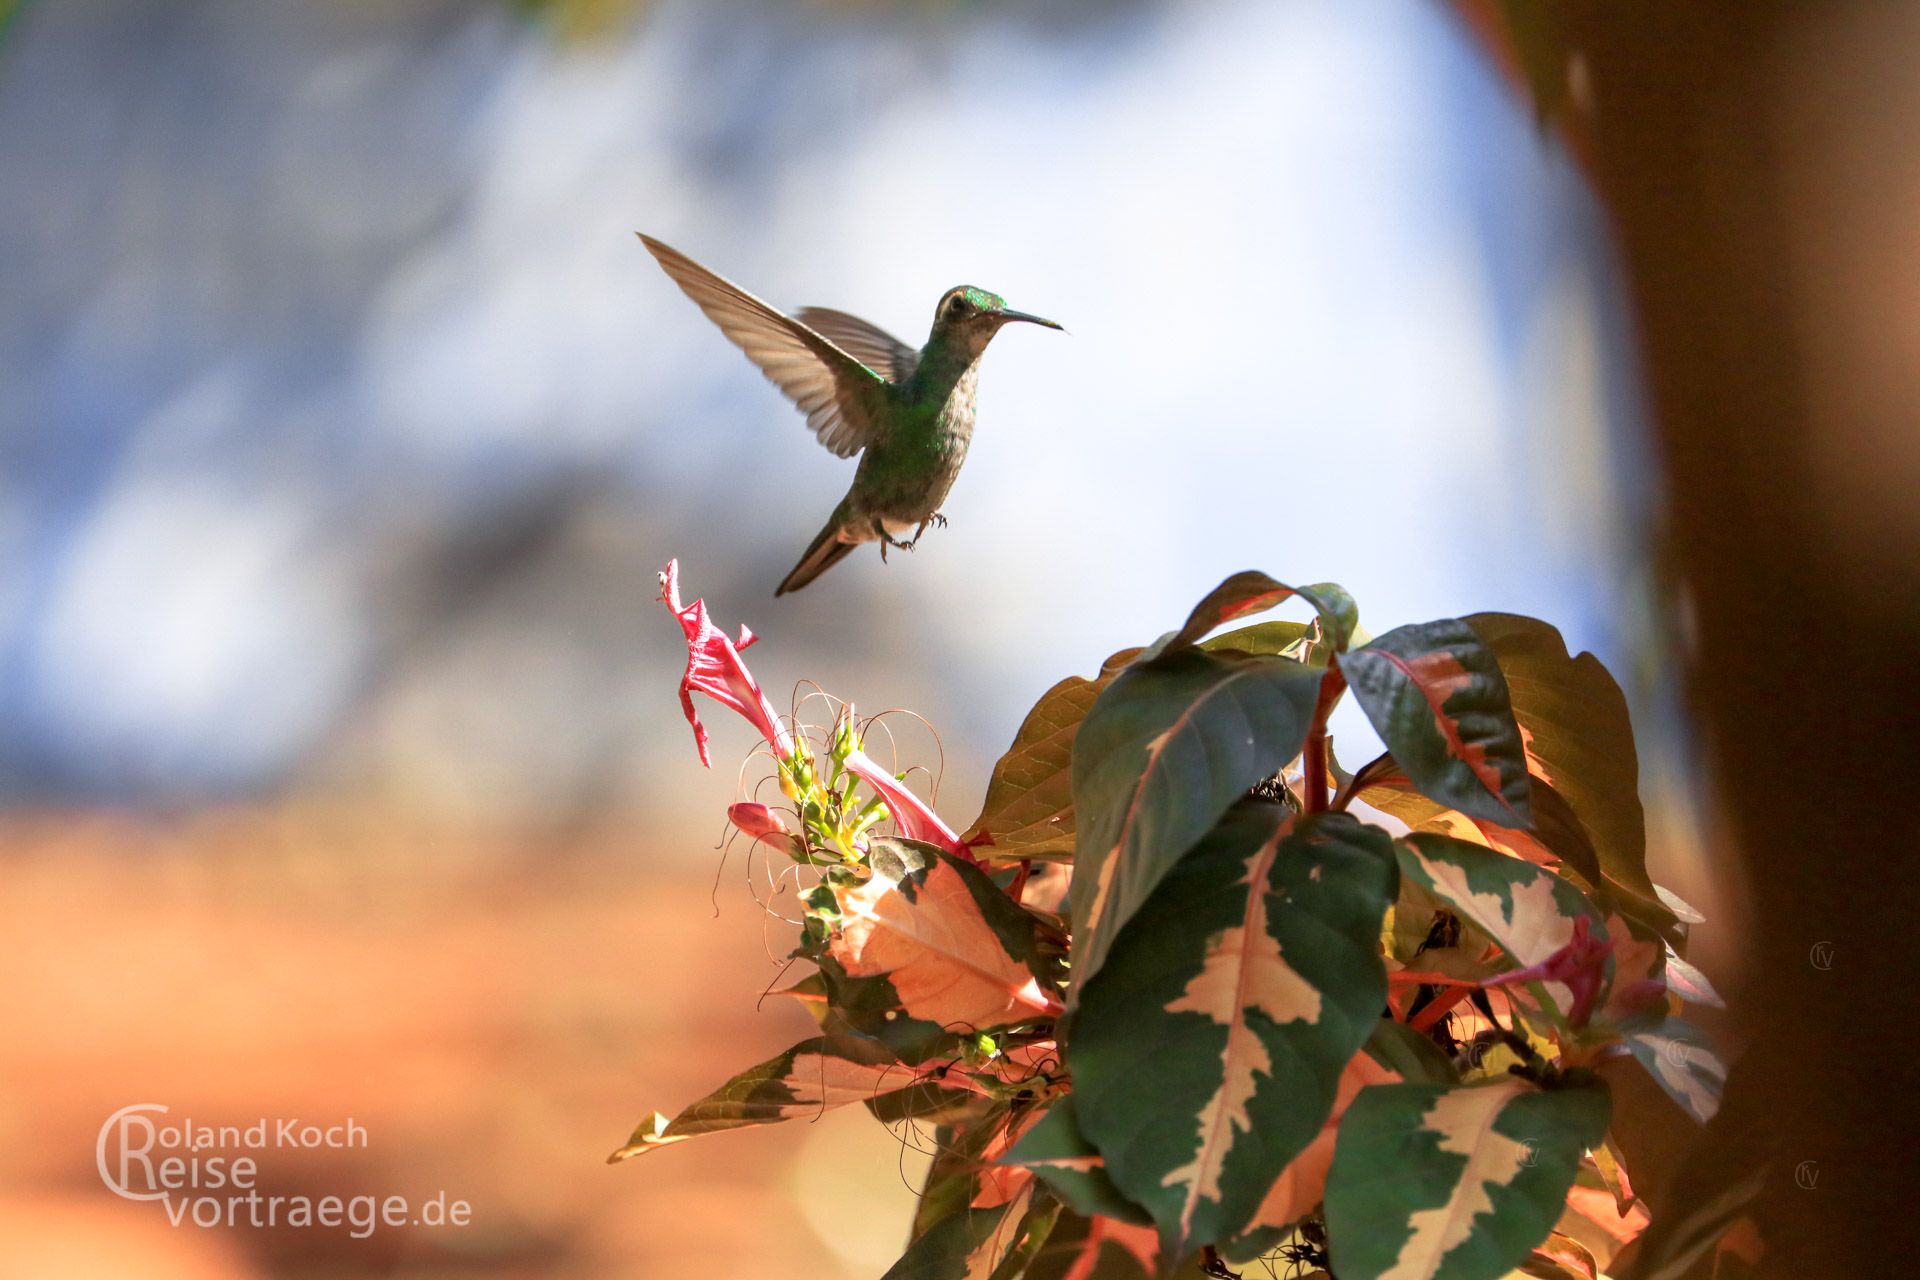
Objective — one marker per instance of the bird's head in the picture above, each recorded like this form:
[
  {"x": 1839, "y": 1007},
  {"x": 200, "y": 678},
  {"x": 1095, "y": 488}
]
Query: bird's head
[{"x": 968, "y": 318}]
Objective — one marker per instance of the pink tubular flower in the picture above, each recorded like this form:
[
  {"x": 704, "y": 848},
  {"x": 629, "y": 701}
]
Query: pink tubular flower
[
  {"x": 915, "y": 818},
  {"x": 715, "y": 669},
  {"x": 1580, "y": 966}
]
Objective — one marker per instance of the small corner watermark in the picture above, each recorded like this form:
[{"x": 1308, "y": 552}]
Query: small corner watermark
[
  {"x": 209, "y": 1175},
  {"x": 1806, "y": 1175},
  {"x": 1820, "y": 956}
]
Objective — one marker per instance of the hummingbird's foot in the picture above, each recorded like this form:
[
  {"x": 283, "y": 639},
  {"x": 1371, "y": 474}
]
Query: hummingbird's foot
[
  {"x": 936, "y": 519},
  {"x": 888, "y": 540}
]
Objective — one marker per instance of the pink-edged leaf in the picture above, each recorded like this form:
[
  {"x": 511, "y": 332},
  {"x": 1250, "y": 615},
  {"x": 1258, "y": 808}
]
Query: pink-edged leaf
[{"x": 1437, "y": 698}]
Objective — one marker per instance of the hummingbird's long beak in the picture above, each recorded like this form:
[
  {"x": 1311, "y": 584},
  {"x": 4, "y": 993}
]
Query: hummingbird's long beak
[{"x": 1006, "y": 314}]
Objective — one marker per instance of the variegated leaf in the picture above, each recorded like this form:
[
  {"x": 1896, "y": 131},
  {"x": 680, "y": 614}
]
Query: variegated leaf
[
  {"x": 1166, "y": 749},
  {"x": 1436, "y": 697},
  {"x": 813, "y": 1076},
  {"x": 1436, "y": 1183},
  {"x": 1303, "y": 1183},
  {"x": 1556, "y": 837},
  {"x": 1529, "y": 912},
  {"x": 1682, "y": 1058},
  {"x": 1207, "y": 1054},
  {"x": 954, "y": 949}
]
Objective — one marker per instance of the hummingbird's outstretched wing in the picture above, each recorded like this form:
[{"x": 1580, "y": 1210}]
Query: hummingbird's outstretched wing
[
  {"x": 871, "y": 345},
  {"x": 842, "y": 398}
]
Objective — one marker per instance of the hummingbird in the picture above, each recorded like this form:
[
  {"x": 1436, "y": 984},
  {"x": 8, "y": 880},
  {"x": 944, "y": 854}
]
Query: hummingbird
[{"x": 909, "y": 414}]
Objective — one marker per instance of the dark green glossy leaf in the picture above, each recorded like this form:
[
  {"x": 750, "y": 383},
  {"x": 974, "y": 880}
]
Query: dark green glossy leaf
[
  {"x": 1208, "y": 1052},
  {"x": 1438, "y": 1183},
  {"x": 1410, "y": 1055},
  {"x": 1167, "y": 748},
  {"x": 1437, "y": 699},
  {"x": 1062, "y": 1157}
]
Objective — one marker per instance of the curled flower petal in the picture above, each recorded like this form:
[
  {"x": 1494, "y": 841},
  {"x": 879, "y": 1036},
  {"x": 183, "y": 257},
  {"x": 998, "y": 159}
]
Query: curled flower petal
[{"x": 715, "y": 669}]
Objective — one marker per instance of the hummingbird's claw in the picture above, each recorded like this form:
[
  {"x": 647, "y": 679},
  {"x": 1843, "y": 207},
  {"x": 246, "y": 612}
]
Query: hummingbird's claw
[
  {"x": 937, "y": 520},
  {"x": 888, "y": 540}
]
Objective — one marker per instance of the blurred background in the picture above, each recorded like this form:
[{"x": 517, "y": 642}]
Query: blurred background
[{"x": 344, "y": 425}]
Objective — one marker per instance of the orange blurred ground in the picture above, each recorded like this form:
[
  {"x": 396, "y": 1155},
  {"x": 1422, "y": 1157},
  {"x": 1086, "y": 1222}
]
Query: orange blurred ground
[{"x": 497, "y": 1014}]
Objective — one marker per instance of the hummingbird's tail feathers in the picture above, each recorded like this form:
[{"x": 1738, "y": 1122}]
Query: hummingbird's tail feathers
[{"x": 827, "y": 551}]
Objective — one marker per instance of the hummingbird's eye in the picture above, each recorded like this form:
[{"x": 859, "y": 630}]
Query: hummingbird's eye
[{"x": 958, "y": 306}]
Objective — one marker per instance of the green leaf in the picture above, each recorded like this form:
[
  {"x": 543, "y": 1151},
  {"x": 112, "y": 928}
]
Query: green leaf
[
  {"x": 1251, "y": 591},
  {"x": 1409, "y": 1054},
  {"x": 1208, "y": 1052},
  {"x": 1167, "y": 748},
  {"x": 1060, "y": 1156},
  {"x": 1527, "y": 910},
  {"x": 1284, "y": 638},
  {"x": 957, "y": 952},
  {"x": 813, "y": 1076},
  {"x": 1579, "y": 739},
  {"x": 1681, "y": 1057},
  {"x": 1437, "y": 699},
  {"x": 1438, "y": 1183}
]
